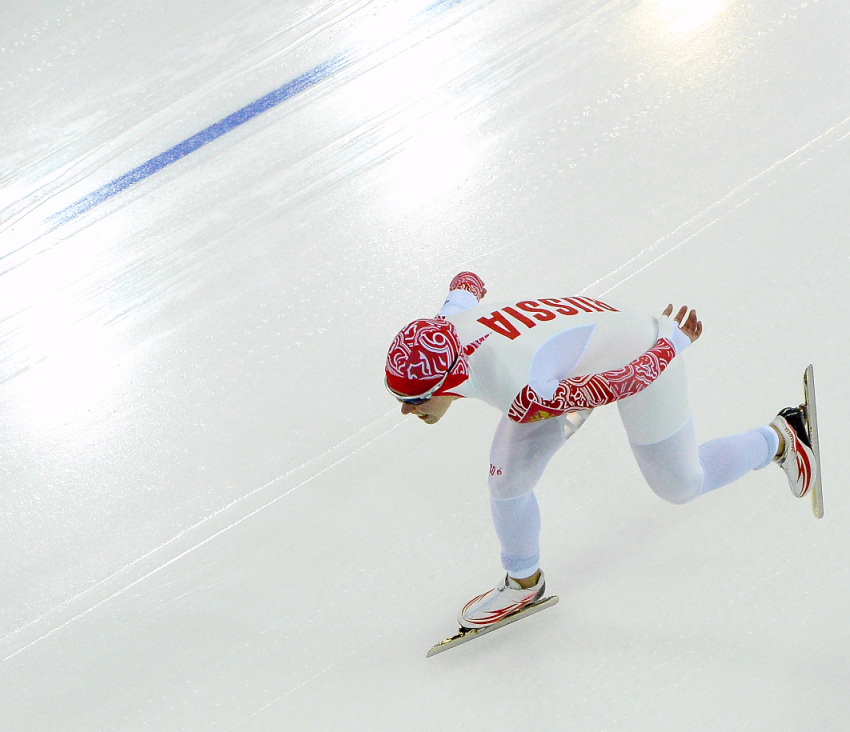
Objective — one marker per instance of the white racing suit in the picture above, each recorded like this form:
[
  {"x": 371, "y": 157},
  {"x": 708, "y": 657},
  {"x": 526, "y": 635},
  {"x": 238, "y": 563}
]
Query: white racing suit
[{"x": 545, "y": 363}]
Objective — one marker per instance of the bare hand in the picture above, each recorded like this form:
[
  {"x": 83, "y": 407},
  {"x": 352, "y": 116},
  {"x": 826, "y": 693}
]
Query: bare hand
[{"x": 690, "y": 326}]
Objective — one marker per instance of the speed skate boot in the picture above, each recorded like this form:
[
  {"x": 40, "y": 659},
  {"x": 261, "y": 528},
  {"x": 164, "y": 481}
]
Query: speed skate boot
[
  {"x": 499, "y": 603},
  {"x": 797, "y": 459}
]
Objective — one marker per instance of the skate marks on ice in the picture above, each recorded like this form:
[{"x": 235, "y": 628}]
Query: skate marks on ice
[
  {"x": 189, "y": 540},
  {"x": 209, "y": 134},
  {"x": 358, "y": 19},
  {"x": 737, "y": 198},
  {"x": 406, "y": 26},
  {"x": 811, "y": 416},
  {"x": 464, "y": 636}
]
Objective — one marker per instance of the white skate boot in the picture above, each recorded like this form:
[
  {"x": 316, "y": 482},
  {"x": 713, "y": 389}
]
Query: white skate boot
[
  {"x": 798, "y": 460},
  {"x": 499, "y": 603}
]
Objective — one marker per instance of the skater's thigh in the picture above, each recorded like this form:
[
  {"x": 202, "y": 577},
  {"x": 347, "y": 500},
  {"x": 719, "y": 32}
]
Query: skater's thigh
[
  {"x": 658, "y": 411},
  {"x": 520, "y": 454}
]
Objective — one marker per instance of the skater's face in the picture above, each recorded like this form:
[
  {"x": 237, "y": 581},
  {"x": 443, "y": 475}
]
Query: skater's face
[{"x": 429, "y": 412}]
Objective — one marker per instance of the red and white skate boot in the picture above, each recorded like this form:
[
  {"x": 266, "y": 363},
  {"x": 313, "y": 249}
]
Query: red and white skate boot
[
  {"x": 797, "y": 460},
  {"x": 499, "y": 603}
]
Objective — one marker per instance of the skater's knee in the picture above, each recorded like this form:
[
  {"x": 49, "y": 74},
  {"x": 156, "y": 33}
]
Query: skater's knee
[
  {"x": 672, "y": 467},
  {"x": 675, "y": 484},
  {"x": 678, "y": 492},
  {"x": 504, "y": 483}
]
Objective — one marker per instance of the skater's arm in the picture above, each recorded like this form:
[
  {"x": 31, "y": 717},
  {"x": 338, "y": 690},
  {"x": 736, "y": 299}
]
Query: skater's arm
[
  {"x": 465, "y": 292},
  {"x": 595, "y": 390}
]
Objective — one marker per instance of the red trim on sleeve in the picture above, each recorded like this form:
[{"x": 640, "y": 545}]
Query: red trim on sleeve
[{"x": 595, "y": 390}]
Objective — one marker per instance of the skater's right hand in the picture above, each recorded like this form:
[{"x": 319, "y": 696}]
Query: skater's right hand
[{"x": 690, "y": 326}]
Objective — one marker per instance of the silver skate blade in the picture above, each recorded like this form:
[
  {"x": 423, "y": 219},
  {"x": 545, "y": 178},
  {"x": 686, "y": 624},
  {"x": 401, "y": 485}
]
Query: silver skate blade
[
  {"x": 812, "y": 426},
  {"x": 465, "y": 636}
]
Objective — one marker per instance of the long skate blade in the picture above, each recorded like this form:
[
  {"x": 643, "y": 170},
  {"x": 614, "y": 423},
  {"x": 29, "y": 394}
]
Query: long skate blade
[
  {"x": 812, "y": 426},
  {"x": 465, "y": 636}
]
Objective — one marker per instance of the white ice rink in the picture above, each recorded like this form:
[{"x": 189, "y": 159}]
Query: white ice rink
[{"x": 212, "y": 515}]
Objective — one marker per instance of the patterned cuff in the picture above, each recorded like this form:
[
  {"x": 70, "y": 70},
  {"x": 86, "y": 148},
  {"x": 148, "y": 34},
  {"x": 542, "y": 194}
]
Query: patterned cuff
[{"x": 470, "y": 282}]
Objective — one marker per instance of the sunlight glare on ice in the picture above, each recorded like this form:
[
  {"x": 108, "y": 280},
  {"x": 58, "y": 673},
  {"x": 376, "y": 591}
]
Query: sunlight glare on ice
[
  {"x": 425, "y": 147},
  {"x": 61, "y": 338},
  {"x": 433, "y": 163},
  {"x": 685, "y": 16},
  {"x": 78, "y": 372}
]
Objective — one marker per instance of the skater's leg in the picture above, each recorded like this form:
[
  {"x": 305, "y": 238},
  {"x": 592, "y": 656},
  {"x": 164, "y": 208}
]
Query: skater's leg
[
  {"x": 660, "y": 410},
  {"x": 663, "y": 439},
  {"x": 520, "y": 453},
  {"x": 728, "y": 458},
  {"x": 662, "y": 436},
  {"x": 517, "y": 522},
  {"x": 678, "y": 471},
  {"x": 671, "y": 467},
  {"x": 518, "y": 457}
]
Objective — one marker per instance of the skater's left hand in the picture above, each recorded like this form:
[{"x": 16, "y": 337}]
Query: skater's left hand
[{"x": 690, "y": 326}]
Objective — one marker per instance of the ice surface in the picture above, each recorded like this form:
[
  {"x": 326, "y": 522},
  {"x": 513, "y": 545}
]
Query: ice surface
[{"x": 212, "y": 515}]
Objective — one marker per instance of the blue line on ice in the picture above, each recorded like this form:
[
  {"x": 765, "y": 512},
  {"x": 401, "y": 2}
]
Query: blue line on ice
[
  {"x": 214, "y": 131},
  {"x": 199, "y": 139}
]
